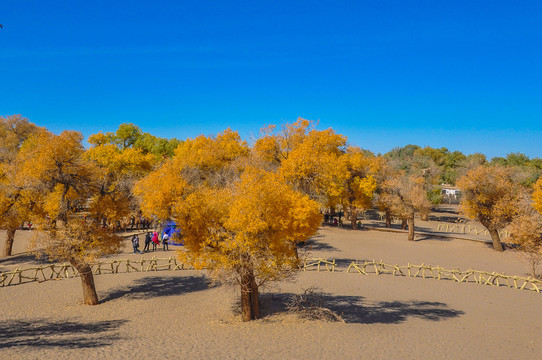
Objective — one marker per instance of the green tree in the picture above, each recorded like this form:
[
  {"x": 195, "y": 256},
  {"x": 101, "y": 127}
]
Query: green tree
[{"x": 130, "y": 136}]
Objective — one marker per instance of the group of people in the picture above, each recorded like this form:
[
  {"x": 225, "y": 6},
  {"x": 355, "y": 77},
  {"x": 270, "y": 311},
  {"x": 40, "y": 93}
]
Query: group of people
[{"x": 150, "y": 238}]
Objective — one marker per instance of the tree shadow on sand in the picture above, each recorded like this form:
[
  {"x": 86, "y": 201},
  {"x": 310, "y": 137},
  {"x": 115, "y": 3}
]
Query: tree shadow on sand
[
  {"x": 317, "y": 245},
  {"x": 158, "y": 286},
  {"x": 25, "y": 258},
  {"x": 357, "y": 310},
  {"x": 43, "y": 333},
  {"x": 436, "y": 237}
]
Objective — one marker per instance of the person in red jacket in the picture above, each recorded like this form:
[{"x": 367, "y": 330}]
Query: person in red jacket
[{"x": 155, "y": 240}]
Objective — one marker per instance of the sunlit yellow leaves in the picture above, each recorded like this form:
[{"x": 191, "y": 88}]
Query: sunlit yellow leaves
[
  {"x": 77, "y": 241},
  {"x": 121, "y": 162},
  {"x": 118, "y": 167},
  {"x": 52, "y": 158},
  {"x": 112, "y": 206},
  {"x": 268, "y": 149},
  {"x": 489, "y": 195},
  {"x": 537, "y": 195},
  {"x": 53, "y": 201},
  {"x": 99, "y": 139},
  {"x": 160, "y": 190},
  {"x": 62, "y": 181},
  {"x": 211, "y": 154},
  {"x": 15, "y": 198},
  {"x": 259, "y": 216},
  {"x": 363, "y": 190},
  {"x": 312, "y": 164}
]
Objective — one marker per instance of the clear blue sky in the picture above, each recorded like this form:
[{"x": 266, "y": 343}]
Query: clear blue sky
[{"x": 466, "y": 75}]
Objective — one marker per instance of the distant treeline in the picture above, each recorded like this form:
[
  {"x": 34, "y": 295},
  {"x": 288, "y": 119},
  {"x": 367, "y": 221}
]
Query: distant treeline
[{"x": 453, "y": 164}]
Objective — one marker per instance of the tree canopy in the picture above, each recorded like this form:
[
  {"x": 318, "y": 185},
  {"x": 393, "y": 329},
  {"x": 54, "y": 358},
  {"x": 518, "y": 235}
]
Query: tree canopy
[
  {"x": 55, "y": 170},
  {"x": 491, "y": 197}
]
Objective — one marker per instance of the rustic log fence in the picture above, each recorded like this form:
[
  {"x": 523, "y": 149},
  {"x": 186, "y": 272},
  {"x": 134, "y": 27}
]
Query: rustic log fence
[
  {"x": 436, "y": 272},
  {"x": 311, "y": 263},
  {"x": 64, "y": 271}
]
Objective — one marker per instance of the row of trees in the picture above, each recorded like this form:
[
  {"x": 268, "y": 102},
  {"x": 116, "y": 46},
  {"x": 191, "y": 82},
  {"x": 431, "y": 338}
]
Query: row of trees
[
  {"x": 243, "y": 208},
  {"x": 453, "y": 165},
  {"x": 68, "y": 192}
]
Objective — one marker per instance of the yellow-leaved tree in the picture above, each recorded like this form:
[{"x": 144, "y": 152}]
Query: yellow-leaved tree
[
  {"x": 309, "y": 159},
  {"x": 525, "y": 231},
  {"x": 248, "y": 231},
  {"x": 119, "y": 169},
  {"x": 491, "y": 197},
  {"x": 238, "y": 220},
  {"x": 210, "y": 161},
  {"x": 537, "y": 195},
  {"x": 54, "y": 169},
  {"x": 356, "y": 172},
  {"x": 15, "y": 201}
]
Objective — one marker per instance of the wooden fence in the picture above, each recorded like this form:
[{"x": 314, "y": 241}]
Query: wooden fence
[
  {"x": 436, "y": 272},
  {"x": 317, "y": 263},
  {"x": 64, "y": 271}
]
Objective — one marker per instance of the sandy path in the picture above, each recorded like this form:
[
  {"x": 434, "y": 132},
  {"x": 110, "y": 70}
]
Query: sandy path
[{"x": 175, "y": 315}]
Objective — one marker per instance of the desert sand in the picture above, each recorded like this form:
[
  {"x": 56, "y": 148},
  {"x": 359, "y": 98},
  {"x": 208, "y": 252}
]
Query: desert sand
[{"x": 177, "y": 314}]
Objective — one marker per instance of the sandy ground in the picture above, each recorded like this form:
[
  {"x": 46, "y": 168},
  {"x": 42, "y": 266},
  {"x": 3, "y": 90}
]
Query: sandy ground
[{"x": 177, "y": 315}]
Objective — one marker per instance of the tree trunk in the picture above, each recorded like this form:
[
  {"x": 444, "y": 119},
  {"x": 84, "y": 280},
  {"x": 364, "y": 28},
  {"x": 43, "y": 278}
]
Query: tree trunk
[
  {"x": 8, "y": 246},
  {"x": 388, "y": 219},
  {"x": 497, "y": 245},
  {"x": 249, "y": 297},
  {"x": 255, "y": 298},
  {"x": 87, "y": 280},
  {"x": 404, "y": 224},
  {"x": 410, "y": 222},
  {"x": 353, "y": 217}
]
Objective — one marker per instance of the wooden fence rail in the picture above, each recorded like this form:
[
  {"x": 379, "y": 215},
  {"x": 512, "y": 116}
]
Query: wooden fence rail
[
  {"x": 64, "y": 271},
  {"x": 317, "y": 263},
  {"x": 436, "y": 272}
]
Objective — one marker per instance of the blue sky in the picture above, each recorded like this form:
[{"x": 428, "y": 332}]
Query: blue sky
[{"x": 466, "y": 75}]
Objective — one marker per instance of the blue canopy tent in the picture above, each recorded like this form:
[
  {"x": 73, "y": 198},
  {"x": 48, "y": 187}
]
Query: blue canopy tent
[{"x": 174, "y": 233}]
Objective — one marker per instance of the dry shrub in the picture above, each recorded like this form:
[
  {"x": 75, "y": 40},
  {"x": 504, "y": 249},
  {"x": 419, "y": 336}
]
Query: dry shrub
[{"x": 311, "y": 305}]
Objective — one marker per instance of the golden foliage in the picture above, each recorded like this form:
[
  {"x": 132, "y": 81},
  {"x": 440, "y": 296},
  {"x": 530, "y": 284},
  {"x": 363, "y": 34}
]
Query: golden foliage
[
  {"x": 311, "y": 165},
  {"x": 46, "y": 160},
  {"x": 55, "y": 169},
  {"x": 525, "y": 231},
  {"x": 119, "y": 168},
  {"x": 61, "y": 180},
  {"x": 526, "y": 227},
  {"x": 159, "y": 191},
  {"x": 255, "y": 223},
  {"x": 203, "y": 160},
  {"x": 537, "y": 195},
  {"x": 77, "y": 241},
  {"x": 121, "y": 162},
  {"x": 307, "y": 158},
  {"x": 211, "y": 154},
  {"x": 359, "y": 173},
  {"x": 489, "y": 196}
]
